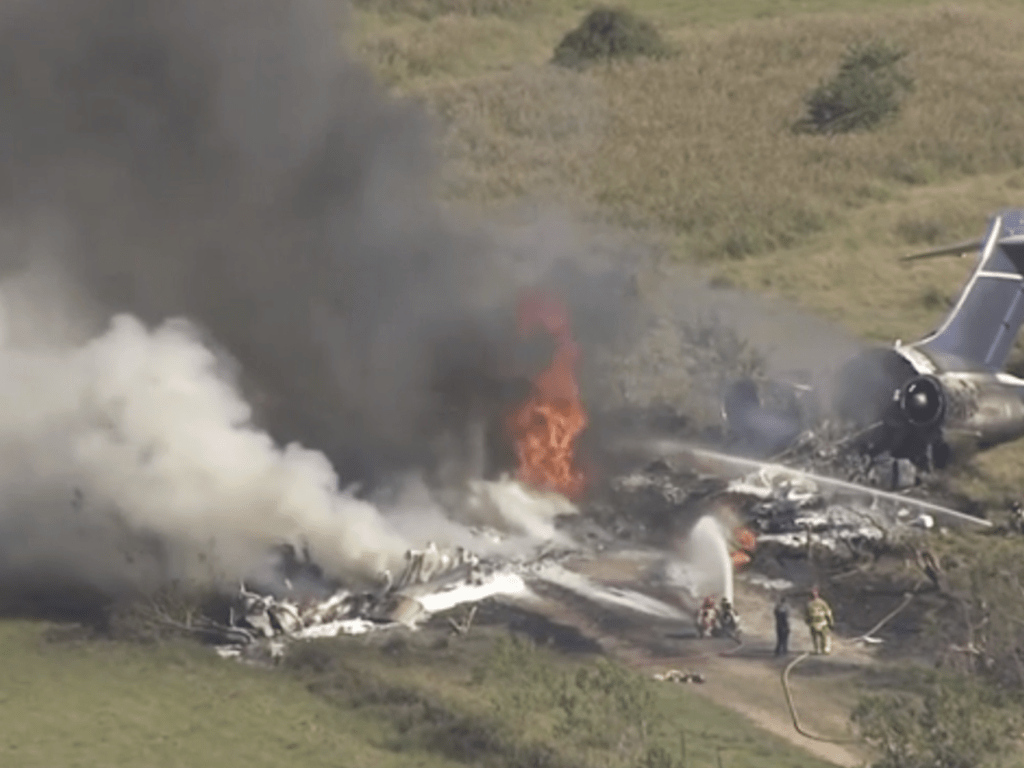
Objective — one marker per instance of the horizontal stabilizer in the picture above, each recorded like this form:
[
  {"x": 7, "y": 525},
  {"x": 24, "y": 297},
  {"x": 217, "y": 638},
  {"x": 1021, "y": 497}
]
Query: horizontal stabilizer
[{"x": 957, "y": 249}]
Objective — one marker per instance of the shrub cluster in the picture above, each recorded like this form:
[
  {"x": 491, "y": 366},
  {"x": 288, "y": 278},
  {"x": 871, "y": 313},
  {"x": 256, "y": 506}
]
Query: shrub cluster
[
  {"x": 608, "y": 33},
  {"x": 944, "y": 721},
  {"x": 867, "y": 90}
]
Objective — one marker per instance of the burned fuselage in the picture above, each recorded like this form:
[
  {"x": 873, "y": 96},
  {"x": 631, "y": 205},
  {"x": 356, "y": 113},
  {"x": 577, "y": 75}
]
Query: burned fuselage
[
  {"x": 937, "y": 399},
  {"x": 904, "y": 402}
]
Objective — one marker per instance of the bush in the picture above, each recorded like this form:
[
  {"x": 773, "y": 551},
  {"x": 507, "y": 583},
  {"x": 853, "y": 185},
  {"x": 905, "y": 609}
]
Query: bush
[
  {"x": 179, "y": 610},
  {"x": 949, "y": 723},
  {"x": 868, "y": 89},
  {"x": 608, "y": 33}
]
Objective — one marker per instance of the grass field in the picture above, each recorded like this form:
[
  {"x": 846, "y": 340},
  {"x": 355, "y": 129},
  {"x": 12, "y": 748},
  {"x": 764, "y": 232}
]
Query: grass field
[
  {"x": 67, "y": 702},
  {"x": 697, "y": 153},
  {"x": 98, "y": 703}
]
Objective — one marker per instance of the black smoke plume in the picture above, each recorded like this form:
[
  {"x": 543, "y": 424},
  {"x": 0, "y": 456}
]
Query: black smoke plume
[
  {"x": 227, "y": 162},
  {"x": 213, "y": 222}
]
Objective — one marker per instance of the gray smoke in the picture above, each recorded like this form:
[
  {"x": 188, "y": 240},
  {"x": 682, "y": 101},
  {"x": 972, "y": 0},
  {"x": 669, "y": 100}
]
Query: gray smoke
[
  {"x": 205, "y": 204},
  {"x": 226, "y": 162},
  {"x": 219, "y": 243}
]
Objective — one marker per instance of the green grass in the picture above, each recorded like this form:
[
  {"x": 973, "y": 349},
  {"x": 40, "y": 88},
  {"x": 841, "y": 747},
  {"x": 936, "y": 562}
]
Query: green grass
[
  {"x": 67, "y": 702},
  {"x": 109, "y": 704},
  {"x": 510, "y": 703}
]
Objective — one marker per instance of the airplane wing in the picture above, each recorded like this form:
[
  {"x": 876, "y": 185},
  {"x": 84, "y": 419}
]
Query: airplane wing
[
  {"x": 981, "y": 327},
  {"x": 728, "y": 467}
]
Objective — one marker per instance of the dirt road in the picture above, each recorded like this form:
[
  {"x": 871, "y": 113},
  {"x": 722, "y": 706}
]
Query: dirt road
[{"x": 747, "y": 678}]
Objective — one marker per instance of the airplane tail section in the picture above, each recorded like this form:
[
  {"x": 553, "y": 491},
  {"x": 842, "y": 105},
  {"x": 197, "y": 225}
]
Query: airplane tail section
[{"x": 981, "y": 327}]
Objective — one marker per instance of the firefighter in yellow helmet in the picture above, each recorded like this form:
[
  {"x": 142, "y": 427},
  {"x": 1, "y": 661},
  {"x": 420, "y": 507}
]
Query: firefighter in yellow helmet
[{"x": 819, "y": 621}]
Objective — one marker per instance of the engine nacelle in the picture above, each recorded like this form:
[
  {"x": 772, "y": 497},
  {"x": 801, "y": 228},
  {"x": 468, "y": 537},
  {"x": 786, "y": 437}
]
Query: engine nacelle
[
  {"x": 921, "y": 403},
  {"x": 757, "y": 428}
]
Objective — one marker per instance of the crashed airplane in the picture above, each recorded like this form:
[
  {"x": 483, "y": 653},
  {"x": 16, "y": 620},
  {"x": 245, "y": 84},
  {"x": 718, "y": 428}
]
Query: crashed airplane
[
  {"x": 641, "y": 542},
  {"x": 665, "y": 525},
  {"x": 673, "y": 505},
  {"x": 923, "y": 404}
]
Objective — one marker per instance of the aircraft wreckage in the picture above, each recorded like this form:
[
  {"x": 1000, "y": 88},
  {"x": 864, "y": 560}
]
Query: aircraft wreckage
[
  {"x": 690, "y": 515},
  {"x": 924, "y": 404},
  {"x": 676, "y": 519}
]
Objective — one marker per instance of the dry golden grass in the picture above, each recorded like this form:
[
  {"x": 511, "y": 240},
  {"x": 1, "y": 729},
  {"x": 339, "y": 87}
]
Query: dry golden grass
[
  {"x": 426, "y": 10},
  {"x": 698, "y": 150},
  {"x": 700, "y": 146},
  {"x": 852, "y": 275},
  {"x": 522, "y": 133}
]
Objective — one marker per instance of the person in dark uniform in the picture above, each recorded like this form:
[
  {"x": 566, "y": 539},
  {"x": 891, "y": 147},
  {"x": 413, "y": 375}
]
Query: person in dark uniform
[{"x": 781, "y": 626}]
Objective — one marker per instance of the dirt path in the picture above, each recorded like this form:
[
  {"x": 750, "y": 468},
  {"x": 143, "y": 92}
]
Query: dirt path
[
  {"x": 748, "y": 679},
  {"x": 751, "y": 686}
]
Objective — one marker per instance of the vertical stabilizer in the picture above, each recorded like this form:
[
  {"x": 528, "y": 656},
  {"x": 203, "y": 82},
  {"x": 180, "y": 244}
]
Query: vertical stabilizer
[{"x": 981, "y": 327}]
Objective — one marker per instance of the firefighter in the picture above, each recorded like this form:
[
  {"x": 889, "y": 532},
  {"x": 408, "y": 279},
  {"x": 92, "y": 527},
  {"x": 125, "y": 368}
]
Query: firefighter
[
  {"x": 707, "y": 617},
  {"x": 728, "y": 620},
  {"x": 820, "y": 622},
  {"x": 781, "y": 627}
]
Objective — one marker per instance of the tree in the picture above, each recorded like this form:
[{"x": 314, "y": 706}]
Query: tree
[{"x": 868, "y": 89}]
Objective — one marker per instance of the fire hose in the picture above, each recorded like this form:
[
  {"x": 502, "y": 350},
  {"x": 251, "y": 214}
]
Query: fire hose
[
  {"x": 889, "y": 616},
  {"x": 737, "y": 638},
  {"x": 792, "y": 707},
  {"x": 789, "y": 668}
]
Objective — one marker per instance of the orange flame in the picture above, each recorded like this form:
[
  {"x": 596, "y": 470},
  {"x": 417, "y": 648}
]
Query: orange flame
[
  {"x": 746, "y": 543},
  {"x": 740, "y": 559},
  {"x": 544, "y": 429}
]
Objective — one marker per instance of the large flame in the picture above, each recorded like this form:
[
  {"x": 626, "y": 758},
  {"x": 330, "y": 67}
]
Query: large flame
[{"x": 545, "y": 427}]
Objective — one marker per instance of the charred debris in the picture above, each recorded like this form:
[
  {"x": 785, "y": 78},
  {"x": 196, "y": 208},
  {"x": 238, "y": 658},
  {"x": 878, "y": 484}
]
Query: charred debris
[
  {"x": 626, "y": 483},
  {"x": 642, "y": 492},
  {"x": 769, "y": 514}
]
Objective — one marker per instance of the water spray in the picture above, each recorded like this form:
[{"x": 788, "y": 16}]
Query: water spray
[{"x": 708, "y": 550}]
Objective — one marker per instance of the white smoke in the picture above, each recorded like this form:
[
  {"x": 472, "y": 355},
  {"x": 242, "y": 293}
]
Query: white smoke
[
  {"x": 141, "y": 432},
  {"x": 489, "y": 517},
  {"x": 134, "y": 456}
]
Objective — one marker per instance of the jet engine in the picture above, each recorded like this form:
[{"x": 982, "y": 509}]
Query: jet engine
[
  {"x": 913, "y": 424},
  {"x": 921, "y": 403},
  {"x": 758, "y": 428}
]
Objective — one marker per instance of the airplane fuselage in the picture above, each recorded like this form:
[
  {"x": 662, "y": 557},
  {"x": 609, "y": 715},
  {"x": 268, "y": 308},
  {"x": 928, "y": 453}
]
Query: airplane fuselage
[
  {"x": 933, "y": 408},
  {"x": 931, "y": 401}
]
